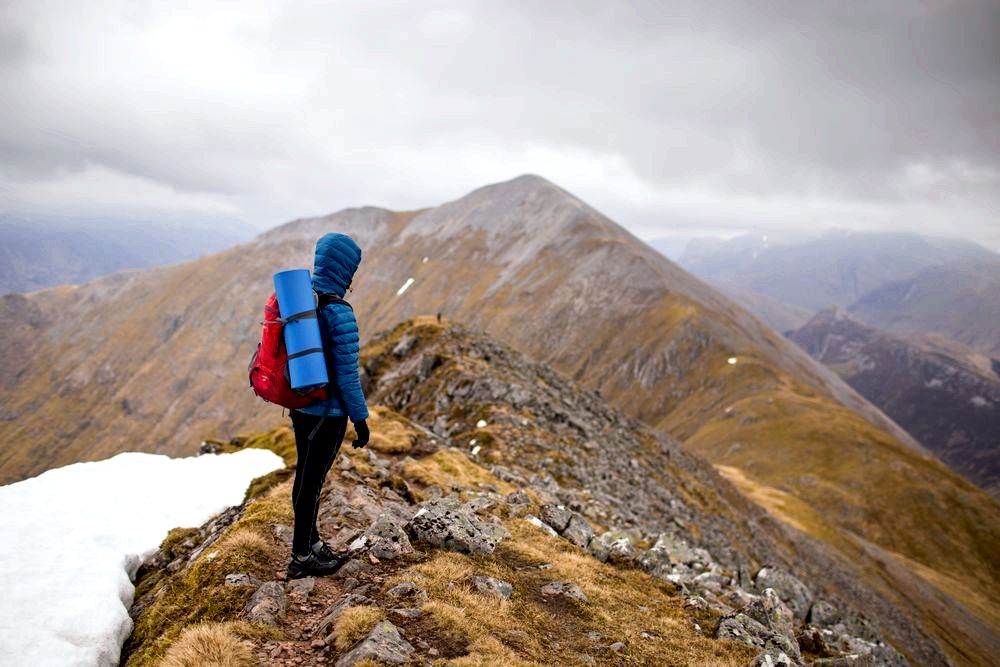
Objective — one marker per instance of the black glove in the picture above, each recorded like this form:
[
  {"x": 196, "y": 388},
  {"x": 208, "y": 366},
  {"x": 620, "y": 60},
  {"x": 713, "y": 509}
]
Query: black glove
[{"x": 361, "y": 428}]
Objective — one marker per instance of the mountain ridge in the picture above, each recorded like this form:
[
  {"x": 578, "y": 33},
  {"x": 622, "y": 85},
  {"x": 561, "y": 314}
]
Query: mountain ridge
[
  {"x": 459, "y": 418},
  {"x": 597, "y": 305}
]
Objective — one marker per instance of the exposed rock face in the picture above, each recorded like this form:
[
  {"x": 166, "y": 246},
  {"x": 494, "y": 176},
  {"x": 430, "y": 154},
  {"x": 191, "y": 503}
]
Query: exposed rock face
[
  {"x": 692, "y": 530},
  {"x": 614, "y": 546},
  {"x": 447, "y": 523},
  {"x": 945, "y": 396},
  {"x": 551, "y": 431}
]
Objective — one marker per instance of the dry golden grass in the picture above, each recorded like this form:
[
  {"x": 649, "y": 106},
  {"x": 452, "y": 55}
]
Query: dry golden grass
[
  {"x": 200, "y": 595},
  {"x": 245, "y": 540},
  {"x": 452, "y": 470},
  {"x": 208, "y": 645},
  {"x": 528, "y": 629},
  {"x": 390, "y": 433},
  {"x": 354, "y": 624}
]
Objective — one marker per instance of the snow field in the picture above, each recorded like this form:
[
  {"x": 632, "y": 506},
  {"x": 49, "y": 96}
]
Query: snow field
[{"x": 72, "y": 538}]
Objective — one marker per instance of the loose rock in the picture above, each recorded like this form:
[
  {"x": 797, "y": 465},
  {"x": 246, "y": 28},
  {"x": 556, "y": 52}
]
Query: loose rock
[
  {"x": 792, "y": 591},
  {"x": 242, "y": 579},
  {"x": 579, "y": 531},
  {"x": 383, "y": 644},
  {"x": 614, "y": 546},
  {"x": 491, "y": 586},
  {"x": 565, "y": 589},
  {"x": 267, "y": 604},
  {"x": 387, "y": 540}
]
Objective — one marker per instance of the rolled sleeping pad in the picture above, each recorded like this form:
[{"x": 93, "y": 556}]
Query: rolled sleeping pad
[{"x": 297, "y": 306}]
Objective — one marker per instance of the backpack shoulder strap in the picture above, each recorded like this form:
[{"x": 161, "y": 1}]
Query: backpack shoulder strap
[{"x": 325, "y": 298}]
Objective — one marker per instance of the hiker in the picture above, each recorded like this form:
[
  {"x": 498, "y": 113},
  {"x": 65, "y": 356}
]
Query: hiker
[{"x": 320, "y": 427}]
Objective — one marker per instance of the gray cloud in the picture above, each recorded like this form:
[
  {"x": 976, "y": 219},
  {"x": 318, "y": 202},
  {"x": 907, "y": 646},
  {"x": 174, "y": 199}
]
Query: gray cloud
[{"x": 670, "y": 117}]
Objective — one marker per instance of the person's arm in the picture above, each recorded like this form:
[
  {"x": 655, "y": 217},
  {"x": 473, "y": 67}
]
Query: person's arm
[{"x": 344, "y": 340}]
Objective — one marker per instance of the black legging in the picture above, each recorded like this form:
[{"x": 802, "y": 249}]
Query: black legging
[{"x": 315, "y": 459}]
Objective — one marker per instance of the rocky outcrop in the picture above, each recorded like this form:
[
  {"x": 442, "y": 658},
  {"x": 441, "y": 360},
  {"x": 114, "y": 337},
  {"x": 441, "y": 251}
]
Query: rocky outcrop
[{"x": 450, "y": 524}]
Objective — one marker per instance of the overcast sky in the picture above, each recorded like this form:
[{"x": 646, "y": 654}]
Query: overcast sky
[{"x": 711, "y": 118}]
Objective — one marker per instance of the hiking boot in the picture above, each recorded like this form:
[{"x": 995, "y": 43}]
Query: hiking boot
[
  {"x": 313, "y": 565},
  {"x": 324, "y": 551}
]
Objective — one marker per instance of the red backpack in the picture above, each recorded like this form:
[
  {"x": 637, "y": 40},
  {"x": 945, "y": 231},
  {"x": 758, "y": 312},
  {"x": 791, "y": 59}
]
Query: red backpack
[{"x": 268, "y": 368}]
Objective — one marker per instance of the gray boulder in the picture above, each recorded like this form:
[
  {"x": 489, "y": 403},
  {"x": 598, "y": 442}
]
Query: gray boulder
[
  {"x": 772, "y": 613},
  {"x": 614, "y": 546},
  {"x": 676, "y": 549},
  {"x": 298, "y": 590},
  {"x": 382, "y": 645},
  {"x": 823, "y": 614},
  {"x": 242, "y": 579},
  {"x": 765, "y": 623},
  {"x": 491, "y": 586},
  {"x": 267, "y": 605},
  {"x": 773, "y": 658},
  {"x": 406, "y": 589},
  {"x": 792, "y": 591},
  {"x": 556, "y": 516},
  {"x": 446, "y": 523},
  {"x": 579, "y": 531},
  {"x": 564, "y": 589},
  {"x": 386, "y": 538}
]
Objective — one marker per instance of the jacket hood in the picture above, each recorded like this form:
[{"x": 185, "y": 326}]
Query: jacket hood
[{"x": 337, "y": 258}]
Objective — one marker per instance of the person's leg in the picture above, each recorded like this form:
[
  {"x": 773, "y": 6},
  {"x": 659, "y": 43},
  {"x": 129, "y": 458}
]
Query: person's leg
[
  {"x": 327, "y": 442},
  {"x": 308, "y": 472},
  {"x": 301, "y": 431}
]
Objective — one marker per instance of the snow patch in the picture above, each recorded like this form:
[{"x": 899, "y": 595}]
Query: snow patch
[
  {"x": 475, "y": 450},
  {"x": 731, "y": 361},
  {"x": 481, "y": 423},
  {"x": 979, "y": 401},
  {"x": 934, "y": 383},
  {"x": 72, "y": 539},
  {"x": 406, "y": 286}
]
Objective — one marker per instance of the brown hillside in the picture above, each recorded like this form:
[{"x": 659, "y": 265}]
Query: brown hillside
[
  {"x": 155, "y": 360},
  {"x": 932, "y": 388}
]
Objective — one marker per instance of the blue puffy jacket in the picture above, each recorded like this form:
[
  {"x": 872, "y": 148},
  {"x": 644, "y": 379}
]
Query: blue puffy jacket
[{"x": 337, "y": 258}]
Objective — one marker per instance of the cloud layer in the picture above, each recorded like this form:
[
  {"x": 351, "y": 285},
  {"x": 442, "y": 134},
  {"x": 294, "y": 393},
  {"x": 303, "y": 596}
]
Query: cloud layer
[{"x": 672, "y": 118}]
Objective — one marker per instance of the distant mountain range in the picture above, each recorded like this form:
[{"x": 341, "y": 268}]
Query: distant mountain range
[
  {"x": 946, "y": 396},
  {"x": 960, "y": 299},
  {"x": 836, "y": 269},
  {"x": 45, "y": 251},
  {"x": 156, "y": 359}
]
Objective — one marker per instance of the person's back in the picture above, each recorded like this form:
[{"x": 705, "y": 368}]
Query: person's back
[{"x": 320, "y": 428}]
